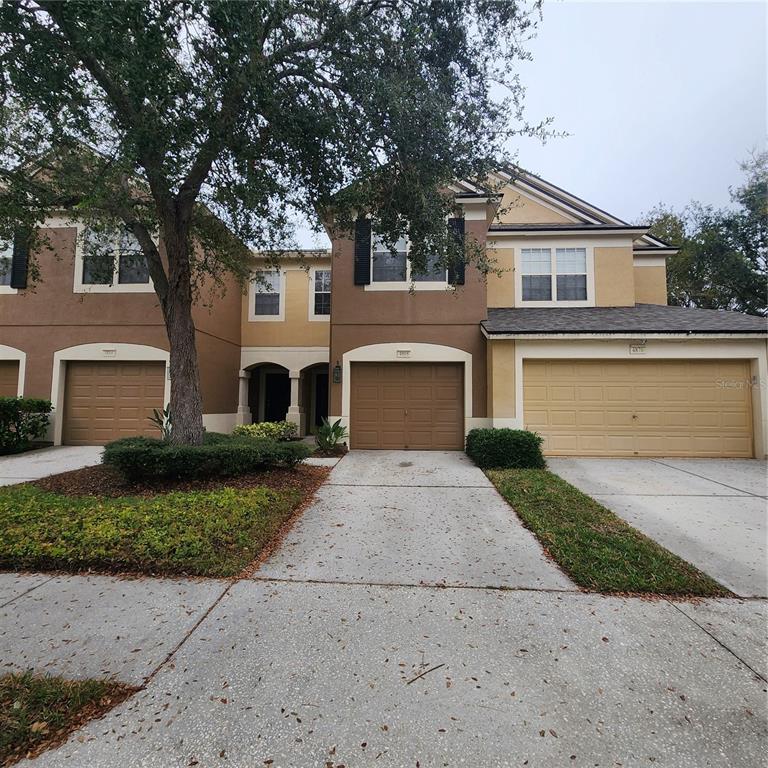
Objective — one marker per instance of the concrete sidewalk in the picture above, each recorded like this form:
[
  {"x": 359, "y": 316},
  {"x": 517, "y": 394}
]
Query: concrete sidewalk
[{"x": 47, "y": 461}]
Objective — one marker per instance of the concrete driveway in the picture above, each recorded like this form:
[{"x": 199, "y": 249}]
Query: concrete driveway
[
  {"x": 711, "y": 512},
  {"x": 47, "y": 461}
]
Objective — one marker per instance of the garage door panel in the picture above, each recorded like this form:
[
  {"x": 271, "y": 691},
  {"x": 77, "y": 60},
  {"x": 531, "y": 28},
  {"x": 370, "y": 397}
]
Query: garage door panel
[
  {"x": 104, "y": 401},
  {"x": 407, "y": 405},
  {"x": 640, "y": 408}
]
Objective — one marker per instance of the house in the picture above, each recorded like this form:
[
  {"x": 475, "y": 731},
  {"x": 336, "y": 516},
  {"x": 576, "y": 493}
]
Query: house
[{"x": 573, "y": 339}]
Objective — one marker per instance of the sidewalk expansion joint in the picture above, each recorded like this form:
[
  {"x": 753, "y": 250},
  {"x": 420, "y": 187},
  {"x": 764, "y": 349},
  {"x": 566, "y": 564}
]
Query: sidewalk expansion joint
[
  {"x": 704, "y": 477},
  {"x": 26, "y": 592}
]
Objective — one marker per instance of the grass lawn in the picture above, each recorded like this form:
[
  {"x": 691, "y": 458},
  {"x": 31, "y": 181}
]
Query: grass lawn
[
  {"x": 597, "y": 549},
  {"x": 199, "y": 531},
  {"x": 38, "y": 712}
]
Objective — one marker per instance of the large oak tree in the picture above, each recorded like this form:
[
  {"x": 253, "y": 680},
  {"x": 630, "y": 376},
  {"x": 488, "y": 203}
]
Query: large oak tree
[{"x": 169, "y": 117}]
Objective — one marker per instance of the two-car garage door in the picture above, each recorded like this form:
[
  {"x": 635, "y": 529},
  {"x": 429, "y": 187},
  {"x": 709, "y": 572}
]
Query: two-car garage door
[
  {"x": 104, "y": 401},
  {"x": 640, "y": 407}
]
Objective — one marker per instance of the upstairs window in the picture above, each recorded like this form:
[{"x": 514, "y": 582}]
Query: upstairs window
[
  {"x": 109, "y": 262},
  {"x": 266, "y": 295},
  {"x": 395, "y": 267},
  {"x": 553, "y": 275},
  {"x": 6, "y": 260},
  {"x": 322, "y": 293}
]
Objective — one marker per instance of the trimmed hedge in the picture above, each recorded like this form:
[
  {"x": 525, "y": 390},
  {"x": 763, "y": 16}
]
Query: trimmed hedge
[
  {"x": 505, "y": 448},
  {"x": 22, "y": 420},
  {"x": 141, "y": 458},
  {"x": 200, "y": 533},
  {"x": 273, "y": 430}
]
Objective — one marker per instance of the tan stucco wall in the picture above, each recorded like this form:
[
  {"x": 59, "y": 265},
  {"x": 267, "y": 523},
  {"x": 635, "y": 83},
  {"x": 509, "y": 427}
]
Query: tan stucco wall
[
  {"x": 516, "y": 208},
  {"x": 296, "y": 330},
  {"x": 614, "y": 277},
  {"x": 650, "y": 285},
  {"x": 501, "y": 288},
  {"x": 501, "y": 379}
]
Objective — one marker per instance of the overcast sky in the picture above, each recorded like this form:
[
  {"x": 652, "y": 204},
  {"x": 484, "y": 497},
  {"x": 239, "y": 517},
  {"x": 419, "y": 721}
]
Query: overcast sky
[{"x": 661, "y": 100}]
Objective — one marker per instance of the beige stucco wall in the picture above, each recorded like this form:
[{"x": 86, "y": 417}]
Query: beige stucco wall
[
  {"x": 501, "y": 380},
  {"x": 296, "y": 329},
  {"x": 501, "y": 288},
  {"x": 516, "y": 208},
  {"x": 614, "y": 277},
  {"x": 651, "y": 285}
]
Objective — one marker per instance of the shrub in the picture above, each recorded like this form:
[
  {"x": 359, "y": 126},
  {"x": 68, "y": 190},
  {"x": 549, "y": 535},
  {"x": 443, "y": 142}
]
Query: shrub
[
  {"x": 273, "y": 430},
  {"x": 22, "y": 420},
  {"x": 329, "y": 435},
  {"x": 140, "y": 458},
  {"x": 505, "y": 448}
]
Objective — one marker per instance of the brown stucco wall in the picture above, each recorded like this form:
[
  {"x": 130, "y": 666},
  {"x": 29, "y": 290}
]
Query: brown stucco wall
[
  {"x": 614, "y": 277},
  {"x": 50, "y": 316},
  {"x": 361, "y": 317}
]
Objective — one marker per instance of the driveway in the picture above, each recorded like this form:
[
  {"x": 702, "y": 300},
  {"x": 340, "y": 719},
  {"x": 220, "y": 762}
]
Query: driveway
[
  {"x": 47, "y": 461},
  {"x": 409, "y": 619},
  {"x": 711, "y": 512}
]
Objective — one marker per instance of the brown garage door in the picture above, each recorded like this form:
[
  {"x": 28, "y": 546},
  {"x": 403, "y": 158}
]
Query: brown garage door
[
  {"x": 407, "y": 405},
  {"x": 640, "y": 407},
  {"x": 9, "y": 378},
  {"x": 104, "y": 401}
]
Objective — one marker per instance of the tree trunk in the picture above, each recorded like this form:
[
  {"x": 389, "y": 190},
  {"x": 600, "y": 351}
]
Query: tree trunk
[{"x": 186, "y": 400}]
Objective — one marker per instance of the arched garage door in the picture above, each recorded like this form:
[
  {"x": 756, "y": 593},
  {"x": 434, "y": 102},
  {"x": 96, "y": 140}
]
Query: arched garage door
[
  {"x": 640, "y": 407},
  {"x": 9, "y": 378}
]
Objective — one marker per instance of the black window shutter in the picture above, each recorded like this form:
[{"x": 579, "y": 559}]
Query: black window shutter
[
  {"x": 20, "y": 259},
  {"x": 456, "y": 270},
  {"x": 362, "y": 252}
]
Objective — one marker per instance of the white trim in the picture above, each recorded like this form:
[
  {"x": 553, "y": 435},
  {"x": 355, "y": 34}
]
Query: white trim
[
  {"x": 641, "y": 260},
  {"x": 518, "y": 270},
  {"x": 687, "y": 349},
  {"x": 11, "y": 353},
  {"x": 292, "y": 358},
  {"x": 109, "y": 352},
  {"x": 311, "y": 314},
  {"x": 626, "y": 234},
  {"x": 417, "y": 352},
  {"x": 280, "y": 316}
]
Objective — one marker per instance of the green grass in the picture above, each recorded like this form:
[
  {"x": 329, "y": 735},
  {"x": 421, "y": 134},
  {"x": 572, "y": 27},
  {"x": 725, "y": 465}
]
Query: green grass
[
  {"x": 210, "y": 533},
  {"x": 36, "y": 711},
  {"x": 597, "y": 549}
]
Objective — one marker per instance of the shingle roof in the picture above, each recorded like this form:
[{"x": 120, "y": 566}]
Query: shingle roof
[{"x": 642, "y": 318}]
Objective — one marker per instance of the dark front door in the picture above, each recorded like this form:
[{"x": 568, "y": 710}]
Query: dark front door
[
  {"x": 277, "y": 396},
  {"x": 321, "y": 398}
]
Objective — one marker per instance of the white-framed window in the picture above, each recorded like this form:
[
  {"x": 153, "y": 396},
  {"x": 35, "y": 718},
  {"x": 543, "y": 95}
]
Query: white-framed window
[
  {"x": 559, "y": 276},
  {"x": 6, "y": 261},
  {"x": 107, "y": 263},
  {"x": 266, "y": 298},
  {"x": 320, "y": 294},
  {"x": 392, "y": 270}
]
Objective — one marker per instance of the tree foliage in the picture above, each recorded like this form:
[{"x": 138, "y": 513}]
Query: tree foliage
[
  {"x": 170, "y": 117},
  {"x": 723, "y": 258}
]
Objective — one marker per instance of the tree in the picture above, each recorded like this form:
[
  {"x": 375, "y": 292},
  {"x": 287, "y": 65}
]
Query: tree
[
  {"x": 722, "y": 261},
  {"x": 171, "y": 116}
]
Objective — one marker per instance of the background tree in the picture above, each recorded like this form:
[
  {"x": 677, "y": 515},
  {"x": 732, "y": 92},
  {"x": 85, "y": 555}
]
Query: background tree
[
  {"x": 722, "y": 262},
  {"x": 153, "y": 116}
]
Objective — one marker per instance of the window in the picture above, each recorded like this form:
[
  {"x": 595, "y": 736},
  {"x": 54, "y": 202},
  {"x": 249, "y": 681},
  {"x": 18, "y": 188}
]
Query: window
[
  {"x": 6, "y": 260},
  {"x": 395, "y": 268},
  {"x": 569, "y": 270},
  {"x": 109, "y": 262},
  {"x": 266, "y": 295},
  {"x": 322, "y": 292}
]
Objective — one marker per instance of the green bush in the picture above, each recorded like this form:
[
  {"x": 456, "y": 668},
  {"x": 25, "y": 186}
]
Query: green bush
[
  {"x": 146, "y": 458},
  {"x": 330, "y": 435},
  {"x": 505, "y": 448},
  {"x": 22, "y": 420},
  {"x": 203, "y": 533},
  {"x": 273, "y": 430}
]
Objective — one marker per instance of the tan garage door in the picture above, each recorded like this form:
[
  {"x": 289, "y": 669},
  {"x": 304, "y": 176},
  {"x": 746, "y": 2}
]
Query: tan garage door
[
  {"x": 105, "y": 401},
  {"x": 639, "y": 407},
  {"x": 9, "y": 378},
  {"x": 407, "y": 405}
]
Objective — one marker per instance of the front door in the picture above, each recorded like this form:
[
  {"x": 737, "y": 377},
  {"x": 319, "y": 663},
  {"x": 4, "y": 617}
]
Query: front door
[{"x": 277, "y": 396}]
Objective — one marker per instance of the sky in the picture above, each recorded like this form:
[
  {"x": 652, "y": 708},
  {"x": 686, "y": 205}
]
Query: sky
[{"x": 661, "y": 101}]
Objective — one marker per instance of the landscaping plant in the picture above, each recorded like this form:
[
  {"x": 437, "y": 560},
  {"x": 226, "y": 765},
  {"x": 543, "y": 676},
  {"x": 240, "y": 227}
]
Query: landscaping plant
[
  {"x": 502, "y": 448},
  {"x": 22, "y": 420},
  {"x": 162, "y": 420},
  {"x": 330, "y": 435},
  {"x": 273, "y": 430}
]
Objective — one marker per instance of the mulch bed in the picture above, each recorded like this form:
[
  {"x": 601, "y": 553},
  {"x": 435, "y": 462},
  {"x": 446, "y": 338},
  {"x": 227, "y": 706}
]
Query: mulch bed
[
  {"x": 105, "y": 481},
  {"x": 334, "y": 453}
]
